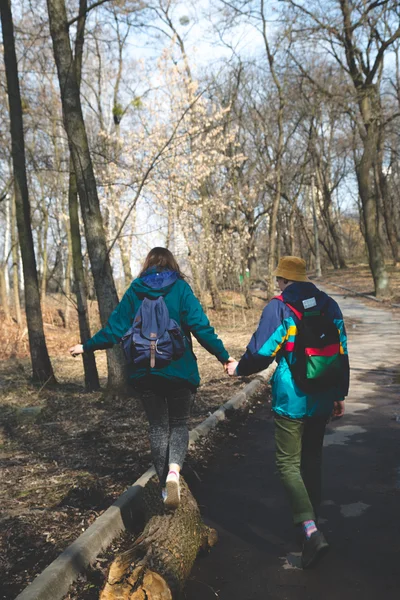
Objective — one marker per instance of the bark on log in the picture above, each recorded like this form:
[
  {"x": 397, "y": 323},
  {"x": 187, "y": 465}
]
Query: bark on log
[{"x": 159, "y": 563}]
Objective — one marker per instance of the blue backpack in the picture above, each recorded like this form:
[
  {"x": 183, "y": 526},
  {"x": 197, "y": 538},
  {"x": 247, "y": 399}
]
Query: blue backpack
[{"x": 154, "y": 338}]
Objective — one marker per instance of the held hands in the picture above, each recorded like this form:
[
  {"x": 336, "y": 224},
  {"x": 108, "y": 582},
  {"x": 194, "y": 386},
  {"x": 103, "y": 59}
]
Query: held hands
[
  {"x": 230, "y": 366},
  {"x": 75, "y": 350}
]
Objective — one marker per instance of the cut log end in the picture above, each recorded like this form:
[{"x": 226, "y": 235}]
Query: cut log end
[
  {"x": 137, "y": 586},
  {"x": 159, "y": 563}
]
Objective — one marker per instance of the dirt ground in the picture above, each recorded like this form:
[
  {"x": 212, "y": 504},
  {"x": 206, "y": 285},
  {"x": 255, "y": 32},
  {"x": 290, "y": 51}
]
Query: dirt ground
[
  {"x": 67, "y": 455},
  {"x": 358, "y": 279}
]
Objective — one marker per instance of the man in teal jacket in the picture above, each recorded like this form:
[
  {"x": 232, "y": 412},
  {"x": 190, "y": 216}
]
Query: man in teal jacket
[{"x": 300, "y": 417}]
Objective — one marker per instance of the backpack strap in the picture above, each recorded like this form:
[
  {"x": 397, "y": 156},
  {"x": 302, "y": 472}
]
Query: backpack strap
[{"x": 298, "y": 314}]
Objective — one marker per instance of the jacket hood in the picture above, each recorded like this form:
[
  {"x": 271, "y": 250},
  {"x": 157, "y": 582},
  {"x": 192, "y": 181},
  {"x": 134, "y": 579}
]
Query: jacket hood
[
  {"x": 154, "y": 283},
  {"x": 298, "y": 291}
]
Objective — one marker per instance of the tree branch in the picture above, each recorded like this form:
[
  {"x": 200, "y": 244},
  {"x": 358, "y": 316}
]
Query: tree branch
[
  {"x": 150, "y": 168},
  {"x": 379, "y": 56},
  {"x": 89, "y": 8}
]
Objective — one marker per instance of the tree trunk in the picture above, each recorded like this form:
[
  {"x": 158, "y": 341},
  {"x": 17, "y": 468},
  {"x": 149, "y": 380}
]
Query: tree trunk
[
  {"x": 211, "y": 265},
  {"x": 170, "y": 225},
  {"x": 300, "y": 238},
  {"x": 332, "y": 224},
  {"x": 367, "y": 79},
  {"x": 253, "y": 267},
  {"x": 95, "y": 236},
  {"x": 45, "y": 254},
  {"x": 4, "y": 279},
  {"x": 335, "y": 231},
  {"x": 3, "y": 292},
  {"x": 212, "y": 280},
  {"x": 370, "y": 213},
  {"x": 292, "y": 239},
  {"x": 272, "y": 232},
  {"x": 317, "y": 254},
  {"x": 92, "y": 382},
  {"x": 7, "y": 245},
  {"x": 252, "y": 253},
  {"x": 41, "y": 366},
  {"x": 196, "y": 278},
  {"x": 246, "y": 285},
  {"x": 67, "y": 277},
  {"x": 196, "y": 281},
  {"x": 273, "y": 217},
  {"x": 124, "y": 250},
  {"x": 386, "y": 204},
  {"x": 193, "y": 267},
  {"x": 15, "y": 261},
  {"x": 126, "y": 264},
  {"x": 89, "y": 362},
  {"x": 160, "y": 561},
  {"x": 327, "y": 246}
]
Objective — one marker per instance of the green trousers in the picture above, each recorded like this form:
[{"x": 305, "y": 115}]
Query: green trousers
[{"x": 299, "y": 462}]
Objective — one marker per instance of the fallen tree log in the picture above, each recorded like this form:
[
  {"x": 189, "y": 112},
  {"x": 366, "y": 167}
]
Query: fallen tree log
[{"x": 159, "y": 563}]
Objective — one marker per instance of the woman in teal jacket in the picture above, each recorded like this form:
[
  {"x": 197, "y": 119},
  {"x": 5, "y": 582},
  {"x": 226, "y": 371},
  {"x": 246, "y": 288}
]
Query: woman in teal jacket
[{"x": 166, "y": 393}]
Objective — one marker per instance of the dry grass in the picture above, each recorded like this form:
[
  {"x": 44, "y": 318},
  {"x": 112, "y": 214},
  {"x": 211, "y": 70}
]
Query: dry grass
[{"x": 358, "y": 278}]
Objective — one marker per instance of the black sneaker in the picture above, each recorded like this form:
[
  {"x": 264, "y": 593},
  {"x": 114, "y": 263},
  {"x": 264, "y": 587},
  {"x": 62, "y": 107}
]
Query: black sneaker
[
  {"x": 299, "y": 535},
  {"x": 314, "y": 548}
]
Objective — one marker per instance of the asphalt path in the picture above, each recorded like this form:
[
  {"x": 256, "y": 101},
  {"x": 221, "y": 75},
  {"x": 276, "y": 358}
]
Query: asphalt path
[{"x": 257, "y": 556}]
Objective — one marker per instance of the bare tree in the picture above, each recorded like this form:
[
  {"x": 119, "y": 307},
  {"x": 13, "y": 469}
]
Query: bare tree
[
  {"x": 41, "y": 365},
  {"x": 89, "y": 362},
  {"x": 357, "y": 36},
  {"x": 86, "y": 183}
]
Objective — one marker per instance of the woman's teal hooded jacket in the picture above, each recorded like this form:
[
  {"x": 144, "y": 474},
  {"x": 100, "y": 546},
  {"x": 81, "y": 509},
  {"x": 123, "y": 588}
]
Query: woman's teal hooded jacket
[{"x": 183, "y": 306}]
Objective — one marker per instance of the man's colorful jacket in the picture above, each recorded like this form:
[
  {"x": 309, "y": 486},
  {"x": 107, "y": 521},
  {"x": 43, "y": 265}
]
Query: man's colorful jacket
[{"x": 274, "y": 339}]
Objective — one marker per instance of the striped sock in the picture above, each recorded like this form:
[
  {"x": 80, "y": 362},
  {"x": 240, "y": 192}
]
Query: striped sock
[
  {"x": 309, "y": 528},
  {"x": 173, "y": 475}
]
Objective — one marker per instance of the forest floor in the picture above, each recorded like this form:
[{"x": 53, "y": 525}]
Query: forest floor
[
  {"x": 67, "y": 455},
  {"x": 358, "y": 279}
]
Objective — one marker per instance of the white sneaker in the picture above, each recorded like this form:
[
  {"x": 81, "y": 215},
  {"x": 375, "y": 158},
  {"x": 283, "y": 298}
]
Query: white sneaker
[
  {"x": 173, "y": 498},
  {"x": 164, "y": 494}
]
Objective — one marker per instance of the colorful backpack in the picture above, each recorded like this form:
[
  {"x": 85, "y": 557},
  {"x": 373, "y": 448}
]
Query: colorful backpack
[
  {"x": 154, "y": 339},
  {"x": 318, "y": 363}
]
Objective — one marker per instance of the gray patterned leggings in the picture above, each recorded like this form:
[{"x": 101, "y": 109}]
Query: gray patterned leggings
[{"x": 167, "y": 405}]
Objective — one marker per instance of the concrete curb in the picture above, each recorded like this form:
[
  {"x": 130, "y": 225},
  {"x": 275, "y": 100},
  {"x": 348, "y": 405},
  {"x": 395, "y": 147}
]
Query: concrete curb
[{"x": 53, "y": 583}]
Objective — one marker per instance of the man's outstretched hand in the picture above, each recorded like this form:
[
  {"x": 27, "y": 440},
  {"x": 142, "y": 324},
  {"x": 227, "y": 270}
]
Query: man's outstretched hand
[
  {"x": 230, "y": 361},
  {"x": 230, "y": 367},
  {"x": 338, "y": 409}
]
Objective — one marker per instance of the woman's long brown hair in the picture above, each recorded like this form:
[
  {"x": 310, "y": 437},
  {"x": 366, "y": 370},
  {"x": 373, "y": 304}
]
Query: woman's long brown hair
[{"x": 162, "y": 258}]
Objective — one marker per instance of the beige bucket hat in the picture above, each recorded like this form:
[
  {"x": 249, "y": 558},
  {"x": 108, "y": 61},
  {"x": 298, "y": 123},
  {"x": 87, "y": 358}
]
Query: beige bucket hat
[{"x": 292, "y": 268}]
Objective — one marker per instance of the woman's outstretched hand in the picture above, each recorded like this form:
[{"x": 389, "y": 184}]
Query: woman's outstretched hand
[{"x": 75, "y": 350}]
